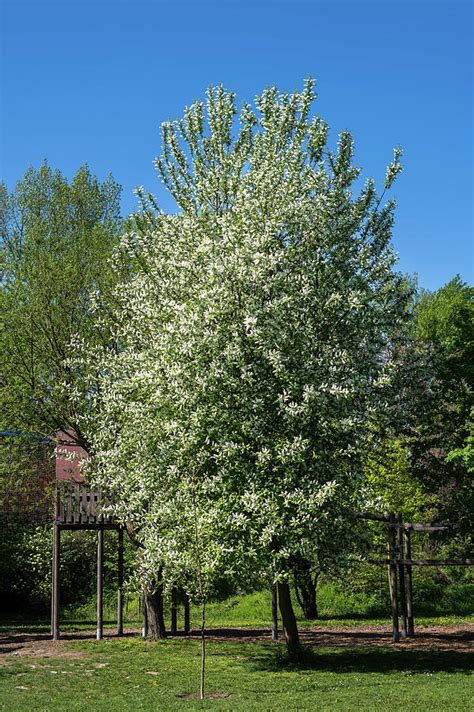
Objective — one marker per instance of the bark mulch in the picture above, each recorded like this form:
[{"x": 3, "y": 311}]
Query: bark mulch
[{"x": 454, "y": 637}]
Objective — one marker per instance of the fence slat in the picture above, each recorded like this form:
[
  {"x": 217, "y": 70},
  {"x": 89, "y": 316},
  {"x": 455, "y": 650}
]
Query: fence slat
[{"x": 81, "y": 506}]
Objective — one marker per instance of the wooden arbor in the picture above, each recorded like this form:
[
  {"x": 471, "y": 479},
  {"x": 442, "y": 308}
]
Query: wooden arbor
[
  {"x": 78, "y": 508},
  {"x": 400, "y": 567}
]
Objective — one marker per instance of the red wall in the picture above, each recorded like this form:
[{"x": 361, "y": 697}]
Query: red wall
[{"x": 69, "y": 470}]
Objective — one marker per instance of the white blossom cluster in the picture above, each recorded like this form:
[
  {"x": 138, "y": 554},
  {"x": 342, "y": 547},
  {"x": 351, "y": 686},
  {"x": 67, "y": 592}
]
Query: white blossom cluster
[{"x": 252, "y": 344}]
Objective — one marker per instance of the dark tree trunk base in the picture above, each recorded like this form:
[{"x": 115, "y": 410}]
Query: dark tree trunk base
[
  {"x": 155, "y": 614},
  {"x": 288, "y": 617}
]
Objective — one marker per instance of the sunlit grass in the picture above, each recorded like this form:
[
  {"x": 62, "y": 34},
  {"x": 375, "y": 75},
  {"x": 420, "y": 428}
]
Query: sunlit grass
[
  {"x": 254, "y": 610},
  {"x": 132, "y": 674}
]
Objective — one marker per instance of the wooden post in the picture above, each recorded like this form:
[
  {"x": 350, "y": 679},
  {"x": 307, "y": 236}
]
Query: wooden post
[
  {"x": 145, "y": 619},
  {"x": 401, "y": 576},
  {"x": 100, "y": 584},
  {"x": 56, "y": 583},
  {"x": 187, "y": 614},
  {"x": 392, "y": 577},
  {"x": 174, "y": 610},
  {"x": 120, "y": 583},
  {"x": 274, "y": 612},
  {"x": 409, "y": 583},
  {"x": 52, "y": 580}
]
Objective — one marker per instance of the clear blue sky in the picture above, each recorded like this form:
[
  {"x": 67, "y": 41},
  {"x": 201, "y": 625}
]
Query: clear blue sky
[{"x": 91, "y": 82}]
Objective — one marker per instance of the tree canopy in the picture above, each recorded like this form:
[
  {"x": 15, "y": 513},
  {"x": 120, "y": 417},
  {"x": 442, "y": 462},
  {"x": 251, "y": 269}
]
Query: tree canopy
[
  {"x": 258, "y": 344},
  {"x": 442, "y": 442},
  {"x": 56, "y": 239}
]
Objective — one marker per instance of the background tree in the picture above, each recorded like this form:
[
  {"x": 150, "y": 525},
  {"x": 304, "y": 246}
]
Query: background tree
[
  {"x": 55, "y": 245},
  {"x": 444, "y": 323},
  {"x": 56, "y": 239}
]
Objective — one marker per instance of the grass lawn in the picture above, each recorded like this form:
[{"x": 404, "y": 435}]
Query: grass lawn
[
  {"x": 132, "y": 674},
  {"x": 125, "y": 674},
  {"x": 255, "y": 610}
]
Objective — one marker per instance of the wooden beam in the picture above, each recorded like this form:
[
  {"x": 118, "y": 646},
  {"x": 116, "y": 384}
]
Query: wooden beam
[
  {"x": 90, "y": 527},
  {"x": 407, "y": 525},
  {"x": 120, "y": 583},
  {"x": 100, "y": 584},
  {"x": 52, "y": 580},
  {"x": 372, "y": 516},
  {"x": 56, "y": 582},
  {"x": 426, "y": 527},
  {"x": 424, "y": 562},
  {"x": 392, "y": 578},
  {"x": 408, "y": 582},
  {"x": 401, "y": 576}
]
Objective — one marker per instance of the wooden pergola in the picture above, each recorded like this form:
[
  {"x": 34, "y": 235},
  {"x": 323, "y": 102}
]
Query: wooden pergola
[
  {"x": 78, "y": 508},
  {"x": 400, "y": 567},
  {"x": 400, "y": 570}
]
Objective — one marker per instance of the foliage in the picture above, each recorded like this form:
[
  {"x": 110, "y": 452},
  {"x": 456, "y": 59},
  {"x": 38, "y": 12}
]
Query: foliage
[
  {"x": 445, "y": 319},
  {"x": 257, "y": 342},
  {"x": 55, "y": 242},
  {"x": 25, "y": 573},
  {"x": 391, "y": 486},
  {"x": 442, "y": 440},
  {"x": 465, "y": 454}
]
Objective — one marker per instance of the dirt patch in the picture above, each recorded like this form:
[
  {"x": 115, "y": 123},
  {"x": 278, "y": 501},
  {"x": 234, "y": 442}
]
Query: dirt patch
[
  {"x": 457, "y": 637},
  {"x": 36, "y": 646},
  {"x": 426, "y": 638}
]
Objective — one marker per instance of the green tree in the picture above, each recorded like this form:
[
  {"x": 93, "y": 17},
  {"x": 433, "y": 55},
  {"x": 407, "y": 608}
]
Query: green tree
[
  {"x": 257, "y": 345},
  {"x": 444, "y": 323},
  {"x": 445, "y": 319},
  {"x": 56, "y": 240}
]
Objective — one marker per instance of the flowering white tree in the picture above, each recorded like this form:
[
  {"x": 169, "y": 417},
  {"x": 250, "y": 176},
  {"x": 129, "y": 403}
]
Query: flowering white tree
[{"x": 254, "y": 346}]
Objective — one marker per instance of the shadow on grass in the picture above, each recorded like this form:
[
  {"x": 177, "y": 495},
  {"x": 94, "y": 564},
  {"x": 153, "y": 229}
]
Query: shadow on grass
[{"x": 411, "y": 662}]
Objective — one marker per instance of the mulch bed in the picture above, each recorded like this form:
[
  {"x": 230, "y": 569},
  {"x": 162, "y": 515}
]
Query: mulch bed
[
  {"x": 427, "y": 638},
  {"x": 455, "y": 637}
]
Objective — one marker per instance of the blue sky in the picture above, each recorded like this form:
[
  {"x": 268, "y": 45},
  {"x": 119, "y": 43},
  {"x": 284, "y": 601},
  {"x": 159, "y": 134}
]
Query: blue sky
[{"x": 92, "y": 81}]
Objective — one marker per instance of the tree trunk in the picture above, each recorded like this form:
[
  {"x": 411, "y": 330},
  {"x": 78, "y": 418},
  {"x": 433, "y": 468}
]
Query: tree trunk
[
  {"x": 305, "y": 589},
  {"x": 153, "y": 601},
  {"x": 290, "y": 627},
  {"x": 155, "y": 613}
]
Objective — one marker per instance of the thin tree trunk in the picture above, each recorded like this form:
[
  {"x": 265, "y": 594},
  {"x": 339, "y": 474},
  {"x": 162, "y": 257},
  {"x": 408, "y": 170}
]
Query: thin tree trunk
[
  {"x": 197, "y": 541},
  {"x": 305, "y": 590},
  {"x": 288, "y": 617},
  {"x": 203, "y": 648}
]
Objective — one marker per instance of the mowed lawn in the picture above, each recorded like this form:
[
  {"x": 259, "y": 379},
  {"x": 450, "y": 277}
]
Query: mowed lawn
[
  {"x": 132, "y": 674},
  {"x": 129, "y": 673}
]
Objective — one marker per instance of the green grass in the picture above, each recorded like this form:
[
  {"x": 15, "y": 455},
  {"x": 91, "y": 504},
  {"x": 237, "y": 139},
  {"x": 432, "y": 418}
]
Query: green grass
[
  {"x": 131, "y": 674},
  {"x": 335, "y": 610},
  {"x": 253, "y": 610},
  {"x": 435, "y": 603}
]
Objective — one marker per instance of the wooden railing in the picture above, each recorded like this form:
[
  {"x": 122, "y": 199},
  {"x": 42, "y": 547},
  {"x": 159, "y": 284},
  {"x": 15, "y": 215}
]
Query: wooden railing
[{"x": 77, "y": 504}]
